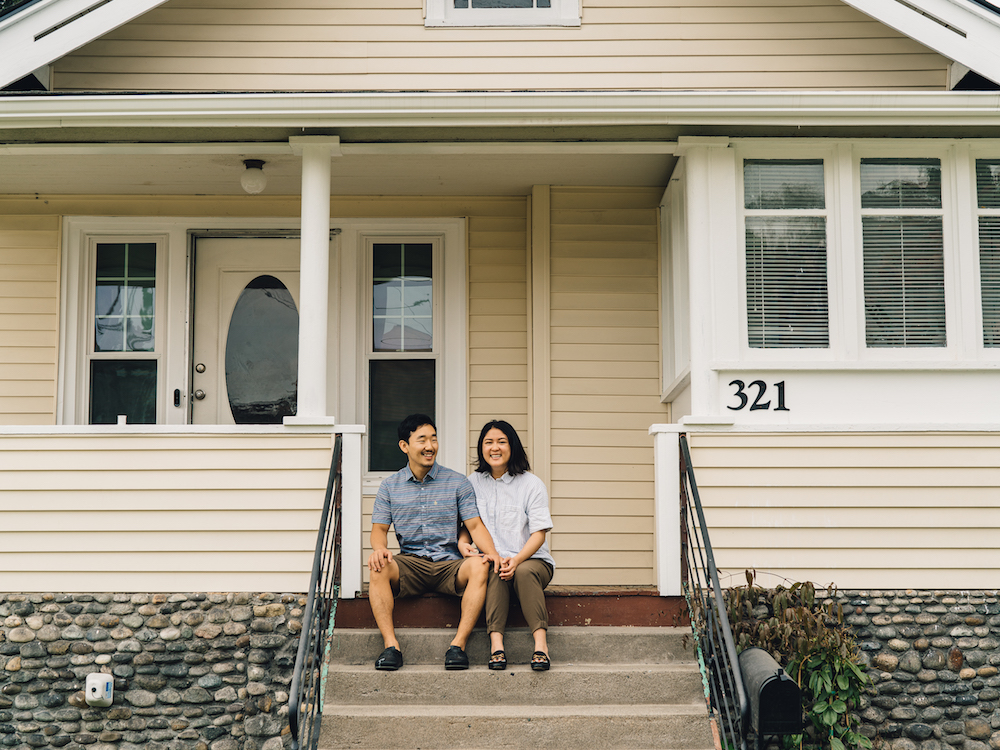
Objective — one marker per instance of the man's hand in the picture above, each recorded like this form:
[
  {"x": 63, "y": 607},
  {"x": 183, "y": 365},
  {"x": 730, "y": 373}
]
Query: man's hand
[
  {"x": 507, "y": 567},
  {"x": 467, "y": 549},
  {"x": 494, "y": 558},
  {"x": 379, "y": 559}
]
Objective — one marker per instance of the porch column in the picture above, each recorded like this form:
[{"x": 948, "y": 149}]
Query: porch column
[
  {"x": 666, "y": 508},
  {"x": 314, "y": 271}
]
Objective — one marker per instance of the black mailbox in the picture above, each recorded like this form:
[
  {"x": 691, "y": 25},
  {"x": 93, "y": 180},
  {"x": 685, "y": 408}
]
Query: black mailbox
[{"x": 775, "y": 698}]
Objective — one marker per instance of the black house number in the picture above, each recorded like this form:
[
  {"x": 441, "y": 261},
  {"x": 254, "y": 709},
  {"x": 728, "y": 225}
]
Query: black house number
[{"x": 744, "y": 391}]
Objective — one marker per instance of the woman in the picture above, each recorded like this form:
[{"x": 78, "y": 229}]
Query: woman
[{"x": 514, "y": 506}]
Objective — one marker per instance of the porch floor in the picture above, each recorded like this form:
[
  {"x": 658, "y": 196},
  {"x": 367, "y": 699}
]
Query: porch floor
[{"x": 638, "y": 606}]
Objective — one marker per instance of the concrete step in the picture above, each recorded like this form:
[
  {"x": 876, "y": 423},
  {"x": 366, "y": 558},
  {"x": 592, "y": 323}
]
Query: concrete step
[
  {"x": 567, "y": 645},
  {"x": 421, "y": 727},
  {"x": 566, "y": 684}
]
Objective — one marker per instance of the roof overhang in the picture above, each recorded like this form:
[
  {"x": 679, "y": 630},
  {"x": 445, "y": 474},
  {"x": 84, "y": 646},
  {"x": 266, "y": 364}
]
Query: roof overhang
[{"x": 960, "y": 30}]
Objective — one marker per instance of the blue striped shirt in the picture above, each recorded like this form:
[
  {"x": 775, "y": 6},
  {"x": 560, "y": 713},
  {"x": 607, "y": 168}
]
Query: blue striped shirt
[{"x": 426, "y": 514}]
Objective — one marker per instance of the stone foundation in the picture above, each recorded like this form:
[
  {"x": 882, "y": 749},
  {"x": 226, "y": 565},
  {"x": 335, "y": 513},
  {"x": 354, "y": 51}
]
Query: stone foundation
[
  {"x": 192, "y": 671},
  {"x": 934, "y": 658}
]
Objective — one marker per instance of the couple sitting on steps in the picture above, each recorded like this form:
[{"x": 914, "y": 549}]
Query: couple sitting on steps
[{"x": 472, "y": 537}]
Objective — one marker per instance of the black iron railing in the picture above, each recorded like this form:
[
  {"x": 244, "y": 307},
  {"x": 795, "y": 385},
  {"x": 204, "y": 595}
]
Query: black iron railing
[
  {"x": 305, "y": 706},
  {"x": 720, "y": 667}
]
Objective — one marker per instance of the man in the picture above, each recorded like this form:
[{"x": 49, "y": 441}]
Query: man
[{"x": 426, "y": 502}]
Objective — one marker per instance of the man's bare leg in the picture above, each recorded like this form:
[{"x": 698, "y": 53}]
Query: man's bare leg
[
  {"x": 472, "y": 578},
  {"x": 382, "y": 601}
]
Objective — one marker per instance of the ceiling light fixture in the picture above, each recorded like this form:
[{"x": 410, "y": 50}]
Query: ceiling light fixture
[{"x": 253, "y": 178}]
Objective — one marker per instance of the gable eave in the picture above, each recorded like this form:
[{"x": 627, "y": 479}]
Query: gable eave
[
  {"x": 963, "y": 31},
  {"x": 43, "y": 32}
]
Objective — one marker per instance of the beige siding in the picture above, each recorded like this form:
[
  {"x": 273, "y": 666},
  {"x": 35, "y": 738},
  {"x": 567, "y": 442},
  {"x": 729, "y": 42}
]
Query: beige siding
[
  {"x": 859, "y": 510},
  {"x": 622, "y": 44},
  {"x": 29, "y": 315},
  {"x": 605, "y": 386},
  {"x": 160, "y": 512}
]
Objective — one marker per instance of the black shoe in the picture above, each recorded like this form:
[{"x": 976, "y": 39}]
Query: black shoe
[
  {"x": 455, "y": 658},
  {"x": 389, "y": 660}
]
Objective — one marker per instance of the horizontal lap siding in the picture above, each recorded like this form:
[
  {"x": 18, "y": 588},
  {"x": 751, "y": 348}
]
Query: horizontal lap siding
[
  {"x": 622, "y": 44},
  {"x": 857, "y": 510},
  {"x": 29, "y": 315},
  {"x": 605, "y": 386},
  {"x": 152, "y": 513}
]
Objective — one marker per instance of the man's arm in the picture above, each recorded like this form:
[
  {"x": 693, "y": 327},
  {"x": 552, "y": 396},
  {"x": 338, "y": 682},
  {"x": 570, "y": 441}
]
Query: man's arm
[
  {"x": 481, "y": 536},
  {"x": 380, "y": 556}
]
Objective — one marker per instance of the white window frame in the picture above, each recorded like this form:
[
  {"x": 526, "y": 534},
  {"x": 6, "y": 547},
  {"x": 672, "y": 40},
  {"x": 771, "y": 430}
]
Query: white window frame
[
  {"x": 835, "y": 329},
  {"x": 444, "y": 13},
  {"x": 348, "y": 279},
  {"x": 845, "y": 260}
]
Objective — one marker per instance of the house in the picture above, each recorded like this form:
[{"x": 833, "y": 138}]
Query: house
[{"x": 774, "y": 227}]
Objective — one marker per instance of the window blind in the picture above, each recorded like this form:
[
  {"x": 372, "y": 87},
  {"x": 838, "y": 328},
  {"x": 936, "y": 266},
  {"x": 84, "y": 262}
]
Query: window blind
[
  {"x": 989, "y": 275},
  {"x": 903, "y": 245},
  {"x": 786, "y": 271}
]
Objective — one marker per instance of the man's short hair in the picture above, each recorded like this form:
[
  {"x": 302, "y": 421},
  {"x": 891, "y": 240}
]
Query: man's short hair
[{"x": 413, "y": 423}]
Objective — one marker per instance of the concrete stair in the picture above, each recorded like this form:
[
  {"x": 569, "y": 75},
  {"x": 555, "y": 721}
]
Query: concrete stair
[{"x": 609, "y": 687}]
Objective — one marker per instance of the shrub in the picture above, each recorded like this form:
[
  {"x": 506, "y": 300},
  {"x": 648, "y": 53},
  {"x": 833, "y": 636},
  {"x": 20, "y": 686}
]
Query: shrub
[{"x": 811, "y": 642}]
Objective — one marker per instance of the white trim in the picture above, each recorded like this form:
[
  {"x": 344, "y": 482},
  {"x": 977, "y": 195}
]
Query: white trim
[
  {"x": 444, "y": 13},
  {"x": 42, "y": 33},
  {"x": 550, "y": 109},
  {"x": 540, "y": 271},
  {"x": 958, "y": 29}
]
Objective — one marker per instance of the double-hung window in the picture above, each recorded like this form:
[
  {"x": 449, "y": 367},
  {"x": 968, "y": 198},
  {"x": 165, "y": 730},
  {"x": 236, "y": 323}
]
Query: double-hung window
[
  {"x": 988, "y": 212},
  {"x": 903, "y": 244},
  {"x": 502, "y": 13},
  {"x": 786, "y": 253},
  {"x": 122, "y": 354},
  {"x": 403, "y": 348}
]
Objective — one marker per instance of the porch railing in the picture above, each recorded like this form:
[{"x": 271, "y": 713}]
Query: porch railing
[
  {"x": 305, "y": 706},
  {"x": 720, "y": 667}
]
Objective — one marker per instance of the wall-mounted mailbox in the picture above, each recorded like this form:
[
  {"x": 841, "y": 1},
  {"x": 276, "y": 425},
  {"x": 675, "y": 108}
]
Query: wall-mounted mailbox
[{"x": 775, "y": 698}]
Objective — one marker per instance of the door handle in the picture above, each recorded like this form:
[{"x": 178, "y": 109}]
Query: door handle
[{"x": 199, "y": 394}]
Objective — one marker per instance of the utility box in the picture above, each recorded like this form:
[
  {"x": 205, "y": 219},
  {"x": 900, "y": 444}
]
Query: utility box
[
  {"x": 775, "y": 698},
  {"x": 100, "y": 690}
]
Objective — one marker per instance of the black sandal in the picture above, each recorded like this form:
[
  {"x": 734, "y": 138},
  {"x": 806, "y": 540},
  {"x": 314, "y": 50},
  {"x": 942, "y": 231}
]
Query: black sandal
[
  {"x": 498, "y": 660},
  {"x": 540, "y": 661}
]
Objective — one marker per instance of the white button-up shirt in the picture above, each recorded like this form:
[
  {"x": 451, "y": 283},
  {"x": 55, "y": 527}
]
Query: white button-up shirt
[{"x": 513, "y": 508}]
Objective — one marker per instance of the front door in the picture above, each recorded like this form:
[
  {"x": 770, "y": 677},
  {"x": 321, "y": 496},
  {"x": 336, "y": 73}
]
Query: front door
[{"x": 246, "y": 324}]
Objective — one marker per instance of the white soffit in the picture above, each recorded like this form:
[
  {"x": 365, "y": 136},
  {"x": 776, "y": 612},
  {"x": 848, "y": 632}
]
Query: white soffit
[
  {"x": 40, "y": 34},
  {"x": 960, "y": 30}
]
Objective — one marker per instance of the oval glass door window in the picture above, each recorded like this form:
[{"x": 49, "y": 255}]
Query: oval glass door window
[{"x": 262, "y": 353}]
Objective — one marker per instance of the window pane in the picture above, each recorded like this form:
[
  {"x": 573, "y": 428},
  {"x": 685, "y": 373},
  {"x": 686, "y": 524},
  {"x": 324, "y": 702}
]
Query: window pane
[
  {"x": 402, "y": 298},
  {"x": 786, "y": 282},
  {"x": 781, "y": 183},
  {"x": 397, "y": 388},
  {"x": 904, "y": 281},
  {"x": 988, "y": 182},
  {"x": 989, "y": 271},
  {"x": 125, "y": 297},
  {"x": 122, "y": 387},
  {"x": 262, "y": 354},
  {"x": 900, "y": 183},
  {"x": 502, "y": 4}
]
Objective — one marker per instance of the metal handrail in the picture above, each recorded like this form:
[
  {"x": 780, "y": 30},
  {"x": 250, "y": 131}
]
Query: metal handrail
[
  {"x": 720, "y": 666},
  {"x": 308, "y": 688}
]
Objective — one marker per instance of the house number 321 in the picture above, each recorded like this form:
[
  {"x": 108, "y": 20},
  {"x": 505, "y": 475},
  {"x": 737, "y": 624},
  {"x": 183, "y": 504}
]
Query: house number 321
[{"x": 744, "y": 392}]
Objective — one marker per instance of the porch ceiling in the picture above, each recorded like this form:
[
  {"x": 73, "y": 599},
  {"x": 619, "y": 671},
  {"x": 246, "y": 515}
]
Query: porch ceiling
[{"x": 352, "y": 174}]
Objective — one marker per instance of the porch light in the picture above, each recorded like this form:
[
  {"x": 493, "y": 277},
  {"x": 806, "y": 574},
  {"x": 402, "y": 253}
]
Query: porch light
[{"x": 253, "y": 178}]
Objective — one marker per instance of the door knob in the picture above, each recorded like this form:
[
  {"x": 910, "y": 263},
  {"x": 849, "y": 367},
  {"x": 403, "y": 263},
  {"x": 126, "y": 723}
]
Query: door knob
[{"x": 199, "y": 394}]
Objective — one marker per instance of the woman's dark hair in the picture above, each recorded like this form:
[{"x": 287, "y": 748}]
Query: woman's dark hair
[
  {"x": 411, "y": 424},
  {"x": 518, "y": 463}
]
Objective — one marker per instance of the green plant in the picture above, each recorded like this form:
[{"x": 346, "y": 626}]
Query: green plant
[{"x": 812, "y": 643}]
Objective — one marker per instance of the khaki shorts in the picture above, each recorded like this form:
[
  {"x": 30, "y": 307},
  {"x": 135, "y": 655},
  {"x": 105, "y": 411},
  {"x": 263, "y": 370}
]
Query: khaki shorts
[{"x": 418, "y": 575}]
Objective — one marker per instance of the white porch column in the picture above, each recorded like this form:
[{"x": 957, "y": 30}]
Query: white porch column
[
  {"x": 314, "y": 271},
  {"x": 667, "y": 508},
  {"x": 351, "y": 533}
]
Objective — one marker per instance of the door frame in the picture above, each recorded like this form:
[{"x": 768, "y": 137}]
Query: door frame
[{"x": 347, "y": 282}]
